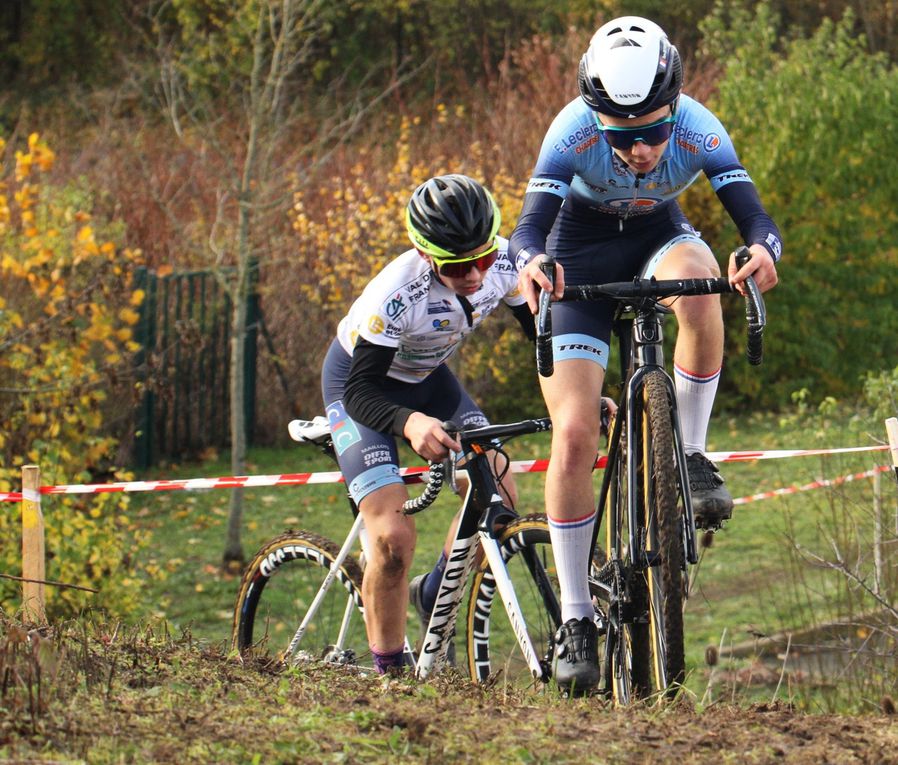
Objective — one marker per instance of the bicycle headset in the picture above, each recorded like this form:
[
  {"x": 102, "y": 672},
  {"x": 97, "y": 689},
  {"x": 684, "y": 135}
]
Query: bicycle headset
[
  {"x": 630, "y": 69},
  {"x": 450, "y": 215}
]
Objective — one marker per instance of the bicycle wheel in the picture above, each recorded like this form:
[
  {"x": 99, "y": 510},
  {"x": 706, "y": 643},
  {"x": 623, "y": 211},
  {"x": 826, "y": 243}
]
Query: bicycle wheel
[
  {"x": 277, "y": 590},
  {"x": 666, "y": 575},
  {"x": 626, "y": 658},
  {"x": 492, "y": 644}
]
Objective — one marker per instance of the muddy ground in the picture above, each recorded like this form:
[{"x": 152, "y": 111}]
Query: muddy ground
[{"x": 115, "y": 695}]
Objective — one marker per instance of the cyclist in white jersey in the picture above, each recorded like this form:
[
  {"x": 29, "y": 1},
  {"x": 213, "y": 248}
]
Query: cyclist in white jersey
[
  {"x": 602, "y": 202},
  {"x": 385, "y": 376}
]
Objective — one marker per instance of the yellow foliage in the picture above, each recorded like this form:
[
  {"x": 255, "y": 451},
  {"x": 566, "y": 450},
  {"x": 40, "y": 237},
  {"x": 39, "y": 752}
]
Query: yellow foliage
[{"x": 64, "y": 327}]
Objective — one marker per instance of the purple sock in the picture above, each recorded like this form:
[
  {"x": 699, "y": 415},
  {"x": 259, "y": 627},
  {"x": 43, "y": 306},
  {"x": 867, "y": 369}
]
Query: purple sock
[
  {"x": 431, "y": 585},
  {"x": 384, "y": 661}
]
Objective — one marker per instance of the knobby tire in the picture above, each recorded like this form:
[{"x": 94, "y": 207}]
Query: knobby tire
[
  {"x": 278, "y": 587},
  {"x": 666, "y": 578}
]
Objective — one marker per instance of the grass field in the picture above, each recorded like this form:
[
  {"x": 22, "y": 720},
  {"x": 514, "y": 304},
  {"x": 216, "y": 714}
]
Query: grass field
[
  {"x": 748, "y": 582},
  {"x": 167, "y": 690}
]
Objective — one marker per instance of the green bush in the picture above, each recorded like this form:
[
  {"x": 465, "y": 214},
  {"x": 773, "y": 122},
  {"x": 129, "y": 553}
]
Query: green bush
[{"x": 814, "y": 122}]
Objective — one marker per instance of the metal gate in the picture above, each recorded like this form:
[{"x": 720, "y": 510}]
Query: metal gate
[{"x": 182, "y": 367}]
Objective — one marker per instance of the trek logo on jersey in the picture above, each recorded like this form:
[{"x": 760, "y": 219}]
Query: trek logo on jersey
[
  {"x": 343, "y": 430},
  {"x": 395, "y": 306},
  {"x": 729, "y": 177},
  {"x": 711, "y": 142},
  {"x": 544, "y": 185},
  {"x": 375, "y": 325}
]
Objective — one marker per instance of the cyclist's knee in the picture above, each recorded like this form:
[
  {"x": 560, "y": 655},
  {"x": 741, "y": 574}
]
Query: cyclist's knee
[
  {"x": 688, "y": 260},
  {"x": 699, "y": 312},
  {"x": 574, "y": 443},
  {"x": 393, "y": 550}
]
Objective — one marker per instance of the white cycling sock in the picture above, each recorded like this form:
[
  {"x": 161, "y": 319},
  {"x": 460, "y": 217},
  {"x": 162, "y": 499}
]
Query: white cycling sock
[
  {"x": 695, "y": 398},
  {"x": 571, "y": 542}
]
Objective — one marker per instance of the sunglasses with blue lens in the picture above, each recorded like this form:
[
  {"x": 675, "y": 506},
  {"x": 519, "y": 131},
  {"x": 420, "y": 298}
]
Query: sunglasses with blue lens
[{"x": 623, "y": 138}]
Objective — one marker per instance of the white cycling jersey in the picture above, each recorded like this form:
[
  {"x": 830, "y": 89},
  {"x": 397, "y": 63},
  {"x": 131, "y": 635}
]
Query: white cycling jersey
[{"x": 406, "y": 308}]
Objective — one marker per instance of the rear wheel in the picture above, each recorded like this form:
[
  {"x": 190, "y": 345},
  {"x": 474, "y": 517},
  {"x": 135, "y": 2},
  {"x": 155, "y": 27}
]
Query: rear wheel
[{"x": 278, "y": 587}]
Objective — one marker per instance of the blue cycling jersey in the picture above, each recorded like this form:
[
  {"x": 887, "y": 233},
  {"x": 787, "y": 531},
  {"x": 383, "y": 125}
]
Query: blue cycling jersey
[{"x": 578, "y": 168}]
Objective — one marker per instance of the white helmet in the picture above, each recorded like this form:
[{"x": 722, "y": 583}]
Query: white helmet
[{"x": 630, "y": 68}]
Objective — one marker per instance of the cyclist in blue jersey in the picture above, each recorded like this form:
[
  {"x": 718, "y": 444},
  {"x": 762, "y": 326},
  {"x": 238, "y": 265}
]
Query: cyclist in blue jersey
[
  {"x": 602, "y": 202},
  {"x": 385, "y": 377}
]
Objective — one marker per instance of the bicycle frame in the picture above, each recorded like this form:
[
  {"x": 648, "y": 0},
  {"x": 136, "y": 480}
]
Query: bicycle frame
[
  {"x": 482, "y": 514},
  {"x": 640, "y": 339}
]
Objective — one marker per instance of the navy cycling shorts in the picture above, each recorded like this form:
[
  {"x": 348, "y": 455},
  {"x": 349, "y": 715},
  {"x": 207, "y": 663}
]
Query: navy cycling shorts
[
  {"x": 594, "y": 254},
  {"x": 368, "y": 459}
]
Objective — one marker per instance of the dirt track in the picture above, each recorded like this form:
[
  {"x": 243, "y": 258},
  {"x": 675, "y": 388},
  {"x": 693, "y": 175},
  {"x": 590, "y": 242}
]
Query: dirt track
[{"x": 100, "y": 696}]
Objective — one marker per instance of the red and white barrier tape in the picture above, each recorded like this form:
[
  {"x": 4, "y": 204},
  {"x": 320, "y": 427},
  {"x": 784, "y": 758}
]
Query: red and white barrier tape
[
  {"x": 409, "y": 474},
  {"x": 822, "y": 483}
]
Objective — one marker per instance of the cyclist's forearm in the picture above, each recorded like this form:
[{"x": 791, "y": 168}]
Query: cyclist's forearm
[
  {"x": 534, "y": 224},
  {"x": 524, "y": 316},
  {"x": 744, "y": 206}
]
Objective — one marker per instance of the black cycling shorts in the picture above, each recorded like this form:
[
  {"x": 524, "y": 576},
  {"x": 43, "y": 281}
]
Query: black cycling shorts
[
  {"x": 369, "y": 459},
  {"x": 592, "y": 254}
]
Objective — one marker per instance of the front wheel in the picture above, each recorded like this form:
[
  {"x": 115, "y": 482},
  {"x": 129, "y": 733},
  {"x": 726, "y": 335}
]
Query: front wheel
[
  {"x": 492, "y": 644},
  {"x": 666, "y": 576},
  {"x": 277, "y": 592}
]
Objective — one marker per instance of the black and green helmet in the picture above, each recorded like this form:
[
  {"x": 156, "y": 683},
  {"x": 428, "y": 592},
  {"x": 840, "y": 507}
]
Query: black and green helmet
[{"x": 449, "y": 215}]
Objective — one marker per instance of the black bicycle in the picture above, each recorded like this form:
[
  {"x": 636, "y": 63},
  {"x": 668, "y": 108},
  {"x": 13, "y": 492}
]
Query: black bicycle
[
  {"x": 644, "y": 504},
  {"x": 300, "y": 595}
]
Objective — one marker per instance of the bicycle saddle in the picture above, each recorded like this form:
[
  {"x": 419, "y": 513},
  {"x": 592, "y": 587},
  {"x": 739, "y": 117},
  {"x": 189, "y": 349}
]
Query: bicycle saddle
[{"x": 313, "y": 431}]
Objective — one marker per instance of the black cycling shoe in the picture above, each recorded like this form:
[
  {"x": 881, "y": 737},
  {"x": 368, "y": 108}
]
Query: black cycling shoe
[
  {"x": 575, "y": 660},
  {"x": 712, "y": 504},
  {"x": 415, "y": 595}
]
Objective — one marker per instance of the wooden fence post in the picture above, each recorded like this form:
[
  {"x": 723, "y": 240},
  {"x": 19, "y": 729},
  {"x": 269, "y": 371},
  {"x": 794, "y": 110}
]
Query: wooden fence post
[
  {"x": 892, "y": 430},
  {"x": 33, "y": 559}
]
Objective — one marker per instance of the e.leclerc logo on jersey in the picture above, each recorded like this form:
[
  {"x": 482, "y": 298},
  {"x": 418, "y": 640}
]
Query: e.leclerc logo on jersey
[{"x": 712, "y": 141}]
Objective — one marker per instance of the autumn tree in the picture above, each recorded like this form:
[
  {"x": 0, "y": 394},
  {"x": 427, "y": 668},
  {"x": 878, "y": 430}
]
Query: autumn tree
[
  {"x": 66, "y": 319},
  {"x": 238, "y": 85}
]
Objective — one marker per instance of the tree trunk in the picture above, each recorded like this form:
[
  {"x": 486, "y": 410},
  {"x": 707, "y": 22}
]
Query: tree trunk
[{"x": 233, "y": 552}]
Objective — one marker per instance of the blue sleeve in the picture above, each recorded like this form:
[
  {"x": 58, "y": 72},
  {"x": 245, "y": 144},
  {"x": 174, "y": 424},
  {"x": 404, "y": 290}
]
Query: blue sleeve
[
  {"x": 534, "y": 224},
  {"x": 740, "y": 199}
]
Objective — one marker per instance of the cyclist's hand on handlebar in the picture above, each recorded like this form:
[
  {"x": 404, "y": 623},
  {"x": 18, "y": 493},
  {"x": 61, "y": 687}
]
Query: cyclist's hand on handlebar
[
  {"x": 428, "y": 438},
  {"x": 531, "y": 280},
  {"x": 761, "y": 267}
]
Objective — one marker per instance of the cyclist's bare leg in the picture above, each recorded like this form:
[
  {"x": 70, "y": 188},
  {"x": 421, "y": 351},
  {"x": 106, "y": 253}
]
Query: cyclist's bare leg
[
  {"x": 391, "y": 536},
  {"x": 700, "y": 319},
  {"x": 572, "y": 395},
  {"x": 697, "y": 360}
]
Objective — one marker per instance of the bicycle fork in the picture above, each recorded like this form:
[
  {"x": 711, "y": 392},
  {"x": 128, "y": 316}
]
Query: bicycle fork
[{"x": 505, "y": 587}]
